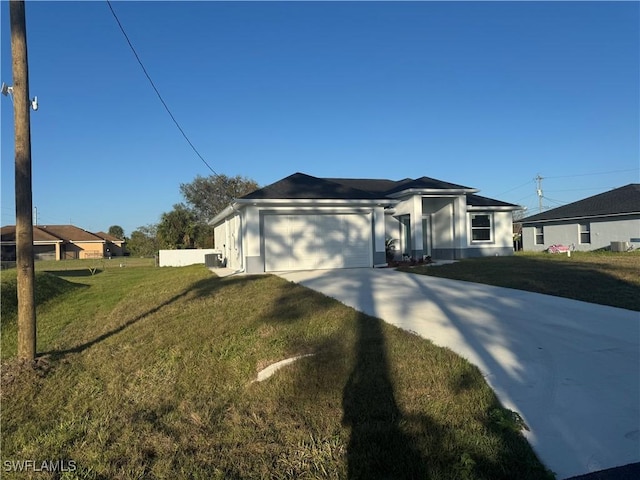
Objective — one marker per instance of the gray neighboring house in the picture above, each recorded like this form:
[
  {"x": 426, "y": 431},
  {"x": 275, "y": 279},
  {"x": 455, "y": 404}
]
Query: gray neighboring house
[
  {"x": 589, "y": 224},
  {"x": 303, "y": 222}
]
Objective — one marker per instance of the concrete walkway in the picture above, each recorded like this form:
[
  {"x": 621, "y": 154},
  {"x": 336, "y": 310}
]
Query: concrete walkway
[{"x": 571, "y": 369}]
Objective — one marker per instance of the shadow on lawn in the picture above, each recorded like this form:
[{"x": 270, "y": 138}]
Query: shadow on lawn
[
  {"x": 200, "y": 289},
  {"x": 80, "y": 272},
  {"x": 377, "y": 446},
  {"x": 577, "y": 278},
  {"x": 387, "y": 439}
]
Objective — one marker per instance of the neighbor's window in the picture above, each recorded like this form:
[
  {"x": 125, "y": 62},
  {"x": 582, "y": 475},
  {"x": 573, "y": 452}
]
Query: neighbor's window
[
  {"x": 539, "y": 236},
  {"x": 480, "y": 227},
  {"x": 585, "y": 233}
]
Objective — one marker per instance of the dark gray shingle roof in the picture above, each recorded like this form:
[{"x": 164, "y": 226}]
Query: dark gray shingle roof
[
  {"x": 426, "y": 183},
  {"x": 623, "y": 200},
  {"x": 300, "y": 185},
  {"x": 480, "y": 201}
]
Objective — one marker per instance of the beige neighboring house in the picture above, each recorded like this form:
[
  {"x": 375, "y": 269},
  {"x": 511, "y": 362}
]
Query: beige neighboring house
[
  {"x": 114, "y": 245},
  {"x": 62, "y": 242}
]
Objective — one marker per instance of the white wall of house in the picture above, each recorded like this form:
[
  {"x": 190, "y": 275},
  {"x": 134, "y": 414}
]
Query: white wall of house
[
  {"x": 379, "y": 225},
  {"x": 441, "y": 228},
  {"x": 501, "y": 231},
  {"x": 251, "y": 231},
  {"x": 443, "y": 217},
  {"x": 228, "y": 239},
  {"x": 241, "y": 236},
  {"x": 602, "y": 233},
  {"x": 392, "y": 231},
  {"x": 504, "y": 229},
  {"x": 263, "y": 236},
  {"x": 442, "y": 225},
  {"x": 460, "y": 223}
]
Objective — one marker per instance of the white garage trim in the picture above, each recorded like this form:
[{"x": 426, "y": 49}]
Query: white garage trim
[{"x": 306, "y": 241}]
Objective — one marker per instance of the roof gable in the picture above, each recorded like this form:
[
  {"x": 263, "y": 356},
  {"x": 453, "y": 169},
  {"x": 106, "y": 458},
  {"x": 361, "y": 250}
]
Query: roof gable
[
  {"x": 302, "y": 186},
  {"x": 623, "y": 200},
  {"x": 426, "y": 183},
  {"x": 54, "y": 233},
  {"x": 69, "y": 232},
  {"x": 8, "y": 235},
  {"x": 108, "y": 237},
  {"x": 480, "y": 201}
]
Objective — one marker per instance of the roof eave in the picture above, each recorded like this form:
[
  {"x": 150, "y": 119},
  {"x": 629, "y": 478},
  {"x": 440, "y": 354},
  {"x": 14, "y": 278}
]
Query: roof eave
[
  {"x": 432, "y": 191},
  {"x": 272, "y": 202},
  {"x": 580, "y": 217},
  {"x": 224, "y": 213},
  {"x": 499, "y": 208},
  {"x": 298, "y": 202}
]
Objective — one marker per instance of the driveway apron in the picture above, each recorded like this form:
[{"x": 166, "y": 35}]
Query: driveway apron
[{"x": 571, "y": 369}]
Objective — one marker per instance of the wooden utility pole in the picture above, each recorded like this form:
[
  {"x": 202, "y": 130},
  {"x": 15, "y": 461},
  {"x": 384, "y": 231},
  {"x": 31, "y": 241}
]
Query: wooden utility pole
[
  {"x": 539, "y": 192},
  {"x": 24, "y": 209}
]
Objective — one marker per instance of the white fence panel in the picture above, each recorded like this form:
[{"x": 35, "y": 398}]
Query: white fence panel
[{"x": 182, "y": 258}]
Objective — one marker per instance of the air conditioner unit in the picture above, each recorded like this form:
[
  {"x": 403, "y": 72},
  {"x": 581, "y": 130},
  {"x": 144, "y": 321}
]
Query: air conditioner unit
[{"x": 619, "y": 246}]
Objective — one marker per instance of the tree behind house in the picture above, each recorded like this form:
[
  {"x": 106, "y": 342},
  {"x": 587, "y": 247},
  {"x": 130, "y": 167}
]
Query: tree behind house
[
  {"x": 144, "y": 241},
  {"x": 178, "y": 228},
  {"x": 208, "y": 196},
  {"x": 116, "y": 231}
]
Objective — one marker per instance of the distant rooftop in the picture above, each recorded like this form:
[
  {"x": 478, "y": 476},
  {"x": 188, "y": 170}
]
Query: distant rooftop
[{"x": 623, "y": 200}]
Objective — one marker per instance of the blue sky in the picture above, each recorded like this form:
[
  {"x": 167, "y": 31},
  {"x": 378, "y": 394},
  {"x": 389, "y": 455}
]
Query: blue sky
[{"x": 483, "y": 94}]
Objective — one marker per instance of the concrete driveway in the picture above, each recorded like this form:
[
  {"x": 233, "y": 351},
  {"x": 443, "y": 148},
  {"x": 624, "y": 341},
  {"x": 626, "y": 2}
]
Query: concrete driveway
[{"x": 571, "y": 369}]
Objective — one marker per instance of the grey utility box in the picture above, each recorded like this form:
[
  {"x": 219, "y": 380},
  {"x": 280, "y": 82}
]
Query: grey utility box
[
  {"x": 619, "y": 246},
  {"x": 213, "y": 260}
]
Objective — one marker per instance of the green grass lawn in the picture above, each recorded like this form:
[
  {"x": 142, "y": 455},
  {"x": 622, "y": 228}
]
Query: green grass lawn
[
  {"x": 598, "y": 277},
  {"x": 148, "y": 373}
]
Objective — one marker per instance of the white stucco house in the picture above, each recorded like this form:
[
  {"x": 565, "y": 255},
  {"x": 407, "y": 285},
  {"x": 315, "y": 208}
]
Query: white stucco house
[
  {"x": 303, "y": 222},
  {"x": 589, "y": 224}
]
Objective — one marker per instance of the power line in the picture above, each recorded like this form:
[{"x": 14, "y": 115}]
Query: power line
[
  {"x": 526, "y": 197},
  {"x": 559, "y": 202},
  {"x": 528, "y": 182},
  {"x": 157, "y": 92}
]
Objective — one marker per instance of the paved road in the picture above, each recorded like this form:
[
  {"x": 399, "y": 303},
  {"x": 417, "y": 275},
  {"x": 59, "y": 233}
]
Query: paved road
[{"x": 571, "y": 369}]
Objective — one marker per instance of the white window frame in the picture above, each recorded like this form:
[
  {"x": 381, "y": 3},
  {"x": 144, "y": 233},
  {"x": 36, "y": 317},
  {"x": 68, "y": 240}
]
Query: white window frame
[
  {"x": 489, "y": 228},
  {"x": 582, "y": 232},
  {"x": 538, "y": 235}
]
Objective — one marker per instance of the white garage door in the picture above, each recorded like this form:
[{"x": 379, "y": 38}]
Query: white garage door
[{"x": 317, "y": 241}]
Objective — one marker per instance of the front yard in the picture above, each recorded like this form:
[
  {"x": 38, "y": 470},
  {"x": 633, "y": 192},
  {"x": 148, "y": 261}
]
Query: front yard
[
  {"x": 148, "y": 373},
  {"x": 597, "y": 277}
]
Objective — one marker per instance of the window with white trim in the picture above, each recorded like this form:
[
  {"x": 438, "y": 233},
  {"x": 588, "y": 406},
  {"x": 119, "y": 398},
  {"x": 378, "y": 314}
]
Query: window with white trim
[
  {"x": 585, "y": 233},
  {"x": 539, "y": 235},
  {"x": 481, "y": 227}
]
